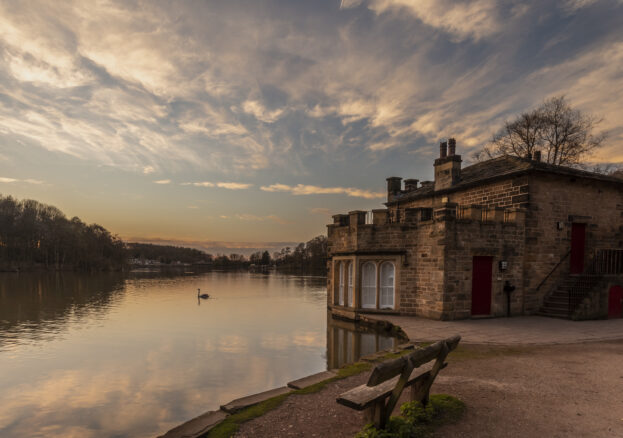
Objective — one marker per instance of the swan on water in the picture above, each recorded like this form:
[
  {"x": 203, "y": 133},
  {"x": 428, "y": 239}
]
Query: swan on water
[{"x": 200, "y": 295}]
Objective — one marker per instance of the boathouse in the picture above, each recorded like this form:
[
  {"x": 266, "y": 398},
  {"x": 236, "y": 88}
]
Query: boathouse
[{"x": 506, "y": 236}]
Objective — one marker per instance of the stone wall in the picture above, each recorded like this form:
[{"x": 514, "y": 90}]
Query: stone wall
[
  {"x": 556, "y": 202},
  {"x": 506, "y": 193},
  {"x": 433, "y": 258}
]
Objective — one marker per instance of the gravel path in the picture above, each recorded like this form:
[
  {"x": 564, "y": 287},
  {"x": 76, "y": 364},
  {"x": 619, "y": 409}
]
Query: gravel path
[{"x": 510, "y": 391}]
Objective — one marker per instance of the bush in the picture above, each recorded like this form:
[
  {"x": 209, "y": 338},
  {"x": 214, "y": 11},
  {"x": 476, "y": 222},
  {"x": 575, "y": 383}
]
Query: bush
[{"x": 418, "y": 421}]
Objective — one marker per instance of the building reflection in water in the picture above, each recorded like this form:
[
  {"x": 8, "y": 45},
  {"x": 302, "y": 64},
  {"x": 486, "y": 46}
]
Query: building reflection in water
[{"x": 347, "y": 342}]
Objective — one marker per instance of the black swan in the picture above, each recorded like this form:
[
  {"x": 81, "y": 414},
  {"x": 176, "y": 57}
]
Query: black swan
[{"x": 200, "y": 295}]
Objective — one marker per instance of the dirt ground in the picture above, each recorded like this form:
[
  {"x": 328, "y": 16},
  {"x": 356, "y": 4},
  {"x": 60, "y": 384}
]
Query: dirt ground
[{"x": 571, "y": 390}]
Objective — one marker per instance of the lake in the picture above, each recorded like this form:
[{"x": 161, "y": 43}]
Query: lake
[{"x": 133, "y": 355}]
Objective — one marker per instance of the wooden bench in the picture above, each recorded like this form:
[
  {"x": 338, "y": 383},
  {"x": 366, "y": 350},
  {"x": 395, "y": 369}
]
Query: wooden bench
[{"x": 388, "y": 379}]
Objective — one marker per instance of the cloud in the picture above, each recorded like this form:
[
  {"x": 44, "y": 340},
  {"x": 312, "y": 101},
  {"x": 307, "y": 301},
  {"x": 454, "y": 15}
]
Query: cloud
[
  {"x": 233, "y": 185},
  {"x": 163, "y": 181},
  {"x": 222, "y": 185},
  {"x": 467, "y": 19},
  {"x": 16, "y": 180},
  {"x": 271, "y": 217},
  {"x": 260, "y": 112},
  {"x": 301, "y": 189},
  {"x": 148, "y": 170}
]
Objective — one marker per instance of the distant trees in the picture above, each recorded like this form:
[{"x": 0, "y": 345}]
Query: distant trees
[
  {"x": 564, "y": 135},
  {"x": 167, "y": 254},
  {"x": 35, "y": 234},
  {"x": 310, "y": 257}
]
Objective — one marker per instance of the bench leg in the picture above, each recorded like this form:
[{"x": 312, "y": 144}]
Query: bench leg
[{"x": 376, "y": 414}]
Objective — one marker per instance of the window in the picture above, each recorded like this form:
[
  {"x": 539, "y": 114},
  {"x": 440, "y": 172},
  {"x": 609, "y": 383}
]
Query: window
[
  {"x": 387, "y": 286},
  {"x": 341, "y": 285},
  {"x": 368, "y": 285},
  {"x": 351, "y": 302}
]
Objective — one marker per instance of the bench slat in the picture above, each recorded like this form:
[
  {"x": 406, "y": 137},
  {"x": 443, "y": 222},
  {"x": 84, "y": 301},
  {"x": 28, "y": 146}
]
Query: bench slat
[
  {"x": 387, "y": 370},
  {"x": 364, "y": 396}
]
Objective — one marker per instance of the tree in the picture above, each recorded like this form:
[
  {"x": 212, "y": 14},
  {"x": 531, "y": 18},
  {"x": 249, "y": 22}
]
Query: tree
[{"x": 564, "y": 135}]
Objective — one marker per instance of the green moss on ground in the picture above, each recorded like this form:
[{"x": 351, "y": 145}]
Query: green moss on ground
[
  {"x": 418, "y": 421},
  {"x": 231, "y": 424}
]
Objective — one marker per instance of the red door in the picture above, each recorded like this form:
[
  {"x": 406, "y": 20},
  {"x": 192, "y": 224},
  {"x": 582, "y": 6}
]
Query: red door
[
  {"x": 481, "y": 285},
  {"x": 578, "y": 237},
  {"x": 615, "y": 302}
]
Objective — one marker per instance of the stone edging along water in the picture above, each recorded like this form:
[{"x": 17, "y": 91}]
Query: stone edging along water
[{"x": 201, "y": 425}]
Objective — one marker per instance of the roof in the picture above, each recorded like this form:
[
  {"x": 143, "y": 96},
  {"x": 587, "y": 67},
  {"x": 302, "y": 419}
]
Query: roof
[{"x": 497, "y": 168}]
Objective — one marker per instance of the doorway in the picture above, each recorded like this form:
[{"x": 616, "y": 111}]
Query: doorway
[
  {"x": 615, "y": 302},
  {"x": 481, "y": 285},
  {"x": 578, "y": 240}
]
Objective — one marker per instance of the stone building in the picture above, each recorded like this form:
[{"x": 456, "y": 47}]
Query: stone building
[{"x": 454, "y": 247}]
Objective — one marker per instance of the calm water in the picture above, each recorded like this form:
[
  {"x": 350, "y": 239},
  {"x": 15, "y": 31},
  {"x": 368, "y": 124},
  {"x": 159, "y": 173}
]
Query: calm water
[{"x": 135, "y": 355}]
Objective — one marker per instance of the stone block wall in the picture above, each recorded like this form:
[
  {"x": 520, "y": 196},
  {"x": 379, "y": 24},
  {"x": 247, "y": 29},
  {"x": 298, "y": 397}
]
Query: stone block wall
[
  {"x": 499, "y": 240},
  {"x": 561, "y": 199}
]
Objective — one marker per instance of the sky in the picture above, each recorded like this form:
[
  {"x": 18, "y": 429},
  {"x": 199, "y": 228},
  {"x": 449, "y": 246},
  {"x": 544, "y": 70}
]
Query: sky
[{"x": 240, "y": 125}]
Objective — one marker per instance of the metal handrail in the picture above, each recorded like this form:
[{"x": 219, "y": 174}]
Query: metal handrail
[{"x": 553, "y": 269}]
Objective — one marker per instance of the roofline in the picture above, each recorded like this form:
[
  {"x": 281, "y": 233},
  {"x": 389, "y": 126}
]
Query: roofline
[{"x": 536, "y": 168}]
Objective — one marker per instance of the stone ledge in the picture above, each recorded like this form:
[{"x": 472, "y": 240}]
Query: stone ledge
[
  {"x": 250, "y": 400},
  {"x": 312, "y": 380},
  {"x": 197, "y": 426}
]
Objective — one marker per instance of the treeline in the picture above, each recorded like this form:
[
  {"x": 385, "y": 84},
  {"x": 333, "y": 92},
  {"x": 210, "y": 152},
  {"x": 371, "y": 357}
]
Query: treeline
[
  {"x": 37, "y": 235},
  {"x": 310, "y": 257},
  {"x": 167, "y": 254}
]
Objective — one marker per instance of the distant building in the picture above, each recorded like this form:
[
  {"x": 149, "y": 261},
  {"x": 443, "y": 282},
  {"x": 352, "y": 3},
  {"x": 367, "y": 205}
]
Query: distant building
[{"x": 446, "y": 249}]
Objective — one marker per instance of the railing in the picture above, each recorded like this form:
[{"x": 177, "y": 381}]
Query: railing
[
  {"x": 553, "y": 269},
  {"x": 581, "y": 289},
  {"x": 603, "y": 262},
  {"x": 607, "y": 261}
]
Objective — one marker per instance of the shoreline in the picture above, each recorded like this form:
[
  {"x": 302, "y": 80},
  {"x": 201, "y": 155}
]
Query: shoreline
[{"x": 201, "y": 425}]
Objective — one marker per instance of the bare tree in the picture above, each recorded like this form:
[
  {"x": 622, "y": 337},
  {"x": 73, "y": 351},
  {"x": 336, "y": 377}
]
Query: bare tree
[{"x": 564, "y": 135}]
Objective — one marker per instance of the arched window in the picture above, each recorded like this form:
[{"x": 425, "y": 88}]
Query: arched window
[
  {"x": 341, "y": 285},
  {"x": 368, "y": 285},
  {"x": 387, "y": 286},
  {"x": 351, "y": 302}
]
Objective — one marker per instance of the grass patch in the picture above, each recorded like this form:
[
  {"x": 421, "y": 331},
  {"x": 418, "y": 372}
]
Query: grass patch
[
  {"x": 419, "y": 421},
  {"x": 231, "y": 424}
]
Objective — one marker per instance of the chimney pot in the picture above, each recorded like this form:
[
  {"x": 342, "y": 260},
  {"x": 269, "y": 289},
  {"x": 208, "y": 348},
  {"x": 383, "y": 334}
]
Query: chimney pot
[
  {"x": 451, "y": 146},
  {"x": 443, "y": 149},
  {"x": 411, "y": 184}
]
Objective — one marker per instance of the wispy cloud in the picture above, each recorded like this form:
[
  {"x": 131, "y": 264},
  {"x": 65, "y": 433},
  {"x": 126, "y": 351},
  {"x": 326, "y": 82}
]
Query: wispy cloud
[
  {"x": 17, "y": 180},
  {"x": 163, "y": 181},
  {"x": 223, "y": 185},
  {"x": 255, "y": 218},
  {"x": 301, "y": 189},
  {"x": 472, "y": 18}
]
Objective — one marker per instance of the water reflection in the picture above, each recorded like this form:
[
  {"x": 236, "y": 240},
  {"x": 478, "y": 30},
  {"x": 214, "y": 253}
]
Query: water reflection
[
  {"x": 37, "y": 306},
  {"x": 133, "y": 356},
  {"x": 347, "y": 342}
]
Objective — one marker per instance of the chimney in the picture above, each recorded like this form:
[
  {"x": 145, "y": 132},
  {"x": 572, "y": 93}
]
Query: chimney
[
  {"x": 411, "y": 184},
  {"x": 443, "y": 149},
  {"x": 451, "y": 146},
  {"x": 393, "y": 186},
  {"x": 447, "y": 167},
  {"x": 537, "y": 156}
]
